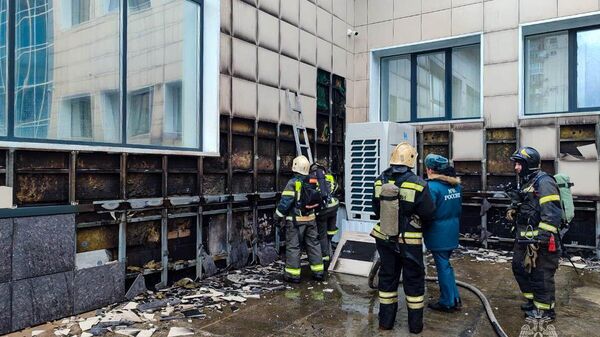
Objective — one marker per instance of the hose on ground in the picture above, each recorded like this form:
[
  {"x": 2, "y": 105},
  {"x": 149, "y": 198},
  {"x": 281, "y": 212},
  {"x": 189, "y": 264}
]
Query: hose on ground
[{"x": 486, "y": 304}]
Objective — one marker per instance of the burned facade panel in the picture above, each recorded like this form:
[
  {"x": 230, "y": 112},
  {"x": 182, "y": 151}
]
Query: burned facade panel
[
  {"x": 242, "y": 155},
  {"x": 217, "y": 234},
  {"x": 470, "y": 222},
  {"x": 582, "y": 230},
  {"x": 96, "y": 238},
  {"x": 182, "y": 238},
  {"x": 266, "y": 155},
  {"x": 266, "y": 182},
  {"x": 97, "y": 186},
  {"x": 470, "y": 174},
  {"x": 266, "y": 224},
  {"x": 143, "y": 244},
  {"x": 287, "y": 153},
  {"x": 41, "y": 177},
  {"x": 182, "y": 184},
  {"x": 500, "y": 145},
  {"x": 144, "y": 185},
  {"x": 48, "y": 188},
  {"x": 574, "y": 137},
  {"x": 242, "y": 183},
  {"x": 214, "y": 184}
]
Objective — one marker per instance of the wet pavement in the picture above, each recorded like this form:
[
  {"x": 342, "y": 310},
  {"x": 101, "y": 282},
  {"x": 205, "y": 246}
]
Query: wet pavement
[{"x": 346, "y": 306}]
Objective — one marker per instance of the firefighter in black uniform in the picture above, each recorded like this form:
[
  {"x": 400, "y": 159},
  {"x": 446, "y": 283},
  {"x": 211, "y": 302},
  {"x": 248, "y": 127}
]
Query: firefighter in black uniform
[
  {"x": 536, "y": 213},
  {"x": 402, "y": 204},
  {"x": 300, "y": 222},
  {"x": 327, "y": 215}
]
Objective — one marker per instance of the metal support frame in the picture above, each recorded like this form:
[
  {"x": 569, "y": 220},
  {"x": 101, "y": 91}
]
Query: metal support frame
[
  {"x": 598, "y": 229},
  {"x": 72, "y": 175},
  {"x": 164, "y": 243},
  {"x": 10, "y": 169},
  {"x": 123, "y": 238},
  {"x": 484, "y": 218}
]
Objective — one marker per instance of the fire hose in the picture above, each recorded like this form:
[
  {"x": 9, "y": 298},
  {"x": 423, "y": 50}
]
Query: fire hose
[{"x": 486, "y": 304}]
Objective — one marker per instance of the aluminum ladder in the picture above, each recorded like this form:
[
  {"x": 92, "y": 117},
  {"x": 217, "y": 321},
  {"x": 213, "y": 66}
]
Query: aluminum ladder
[{"x": 300, "y": 133}]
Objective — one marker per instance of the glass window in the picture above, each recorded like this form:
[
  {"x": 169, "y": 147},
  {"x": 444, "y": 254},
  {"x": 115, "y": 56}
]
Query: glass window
[
  {"x": 173, "y": 110},
  {"x": 86, "y": 65},
  {"x": 163, "y": 54},
  {"x": 78, "y": 113},
  {"x": 547, "y": 73},
  {"x": 80, "y": 11},
  {"x": 3, "y": 64},
  {"x": 112, "y": 5},
  {"x": 138, "y": 5},
  {"x": 395, "y": 88},
  {"x": 588, "y": 69},
  {"x": 139, "y": 115},
  {"x": 466, "y": 82},
  {"x": 34, "y": 42},
  {"x": 431, "y": 87},
  {"x": 111, "y": 105}
]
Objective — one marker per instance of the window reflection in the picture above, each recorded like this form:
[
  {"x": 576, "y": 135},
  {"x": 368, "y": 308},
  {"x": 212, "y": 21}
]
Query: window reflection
[
  {"x": 547, "y": 73},
  {"x": 163, "y": 67},
  {"x": 588, "y": 68}
]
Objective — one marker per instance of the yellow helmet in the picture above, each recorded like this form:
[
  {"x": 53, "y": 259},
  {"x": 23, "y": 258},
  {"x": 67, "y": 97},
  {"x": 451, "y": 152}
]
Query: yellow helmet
[
  {"x": 404, "y": 154},
  {"x": 301, "y": 165}
]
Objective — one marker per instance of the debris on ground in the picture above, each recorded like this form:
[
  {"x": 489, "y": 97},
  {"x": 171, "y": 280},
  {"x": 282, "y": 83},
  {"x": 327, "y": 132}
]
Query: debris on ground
[
  {"x": 502, "y": 256},
  {"x": 186, "y": 299},
  {"x": 483, "y": 255}
]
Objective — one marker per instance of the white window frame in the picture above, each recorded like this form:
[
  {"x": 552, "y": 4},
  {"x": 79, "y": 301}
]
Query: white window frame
[
  {"x": 375, "y": 56},
  {"x": 547, "y": 26}
]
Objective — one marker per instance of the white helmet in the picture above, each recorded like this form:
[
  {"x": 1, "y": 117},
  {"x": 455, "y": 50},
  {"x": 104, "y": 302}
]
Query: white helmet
[
  {"x": 301, "y": 165},
  {"x": 404, "y": 154}
]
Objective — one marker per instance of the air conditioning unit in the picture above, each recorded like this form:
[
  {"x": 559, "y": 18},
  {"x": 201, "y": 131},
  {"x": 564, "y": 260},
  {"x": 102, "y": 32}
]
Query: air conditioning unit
[{"x": 368, "y": 150}]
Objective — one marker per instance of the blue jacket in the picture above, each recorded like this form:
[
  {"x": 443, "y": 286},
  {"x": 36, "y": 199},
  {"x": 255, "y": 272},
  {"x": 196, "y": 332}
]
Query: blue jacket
[{"x": 443, "y": 232}]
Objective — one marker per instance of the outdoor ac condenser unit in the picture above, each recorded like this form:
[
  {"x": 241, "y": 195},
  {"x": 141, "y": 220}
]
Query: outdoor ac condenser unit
[{"x": 368, "y": 150}]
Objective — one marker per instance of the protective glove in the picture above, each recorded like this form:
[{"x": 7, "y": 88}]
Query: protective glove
[{"x": 511, "y": 214}]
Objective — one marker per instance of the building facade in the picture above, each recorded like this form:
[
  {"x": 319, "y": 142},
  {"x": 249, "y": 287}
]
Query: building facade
[{"x": 155, "y": 134}]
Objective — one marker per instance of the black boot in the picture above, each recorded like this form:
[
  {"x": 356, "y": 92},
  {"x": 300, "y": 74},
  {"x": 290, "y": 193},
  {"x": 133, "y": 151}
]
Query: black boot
[
  {"x": 439, "y": 307},
  {"x": 415, "y": 320},
  {"x": 527, "y": 306},
  {"x": 387, "y": 316},
  {"x": 291, "y": 279},
  {"x": 318, "y": 276}
]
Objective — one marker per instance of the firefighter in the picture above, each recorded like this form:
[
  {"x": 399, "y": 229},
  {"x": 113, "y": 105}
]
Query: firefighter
[
  {"x": 402, "y": 204},
  {"x": 537, "y": 217},
  {"x": 327, "y": 216},
  {"x": 299, "y": 201},
  {"x": 441, "y": 237}
]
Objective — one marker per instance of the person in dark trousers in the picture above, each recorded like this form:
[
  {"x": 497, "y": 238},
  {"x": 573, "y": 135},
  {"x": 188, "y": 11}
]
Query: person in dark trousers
[
  {"x": 537, "y": 216},
  {"x": 327, "y": 215},
  {"x": 402, "y": 204},
  {"x": 297, "y": 206},
  {"x": 441, "y": 237}
]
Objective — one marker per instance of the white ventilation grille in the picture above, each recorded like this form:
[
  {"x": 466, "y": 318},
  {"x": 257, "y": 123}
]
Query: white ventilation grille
[{"x": 364, "y": 168}]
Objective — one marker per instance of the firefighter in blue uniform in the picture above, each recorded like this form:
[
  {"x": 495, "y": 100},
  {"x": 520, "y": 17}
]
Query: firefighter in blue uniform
[
  {"x": 402, "y": 204},
  {"x": 441, "y": 237},
  {"x": 536, "y": 213},
  {"x": 299, "y": 201}
]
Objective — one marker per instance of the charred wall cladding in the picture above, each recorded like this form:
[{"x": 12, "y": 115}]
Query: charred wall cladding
[{"x": 163, "y": 216}]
